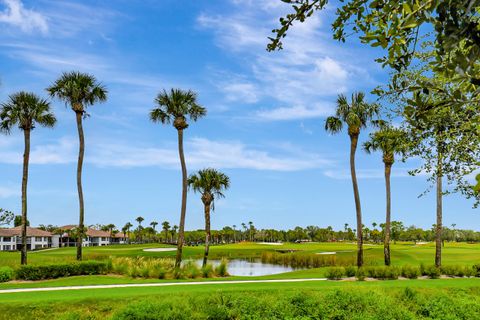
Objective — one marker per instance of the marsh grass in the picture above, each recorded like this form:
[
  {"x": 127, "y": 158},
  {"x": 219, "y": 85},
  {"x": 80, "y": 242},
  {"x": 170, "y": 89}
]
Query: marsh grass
[{"x": 306, "y": 260}]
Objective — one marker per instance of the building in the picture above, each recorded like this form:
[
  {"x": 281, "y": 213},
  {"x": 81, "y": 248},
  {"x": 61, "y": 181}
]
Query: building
[
  {"x": 11, "y": 239},
  {"x": 94, "y": 238}
]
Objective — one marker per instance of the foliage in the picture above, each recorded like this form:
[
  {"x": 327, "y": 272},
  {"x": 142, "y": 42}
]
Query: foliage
[
  {"x": 221, "y": 269},
  {"x": 430, "y": 271},
  {"x": 305, "y": 260},
  {"x": 6, "y": 274},
  {"x": 53, "y": 271},
  {"x": 410, "y": 272},
  {"x": 6, "y": 217},
  {"x": 210, "y": 183},
  {"x": 335, "y": 273}
]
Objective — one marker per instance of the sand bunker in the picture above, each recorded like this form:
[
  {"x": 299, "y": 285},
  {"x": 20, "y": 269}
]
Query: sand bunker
[
  {"x": 159, "y": 249},
  {"x": 272, "y": 243},
  {"x": 326, "y": 252}
]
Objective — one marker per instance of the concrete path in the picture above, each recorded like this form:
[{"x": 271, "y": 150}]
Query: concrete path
[{"x": 160, "y": 284}]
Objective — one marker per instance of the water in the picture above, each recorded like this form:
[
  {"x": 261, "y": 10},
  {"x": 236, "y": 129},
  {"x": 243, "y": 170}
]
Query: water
[{"x": 239, "y": 267}]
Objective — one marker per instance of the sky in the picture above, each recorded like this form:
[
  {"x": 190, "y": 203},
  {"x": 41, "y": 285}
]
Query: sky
[{"x": 264, "y": 127}]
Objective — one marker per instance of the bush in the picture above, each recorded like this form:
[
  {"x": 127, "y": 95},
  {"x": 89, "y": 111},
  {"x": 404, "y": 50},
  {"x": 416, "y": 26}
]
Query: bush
[
  {"x": 221, "y": 269},
  {"x": 53, "y": 271},
  {"x": 350, "y": 271},
  {"x": 207, "y": 271},
  {"x": 432, "y": 272},
  {"x": 410, "y": 272},
  {"x": 6, "y": 274},
  {"x": 335, "y": 273},
  {"x": 361, "y": 274},
  {"x": 476, "y": 269}
]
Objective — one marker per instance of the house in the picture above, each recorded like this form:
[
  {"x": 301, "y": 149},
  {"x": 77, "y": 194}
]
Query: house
[
  {"x": 11, "y": 239},
  {"x": 93, "y": 237}
]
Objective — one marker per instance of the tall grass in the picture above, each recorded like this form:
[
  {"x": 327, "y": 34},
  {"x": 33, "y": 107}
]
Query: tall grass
[
  {"x": 164, "y": 268},
  {"x": 306, "y": 260}
]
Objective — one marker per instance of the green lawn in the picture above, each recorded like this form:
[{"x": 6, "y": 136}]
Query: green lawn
[
  {"x": 457, "y": 294},
  {"x": 403, "y": 253}
]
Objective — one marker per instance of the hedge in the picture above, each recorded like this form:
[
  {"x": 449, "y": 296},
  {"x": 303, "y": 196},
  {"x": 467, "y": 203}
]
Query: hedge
[
  {"x": 53, "y": 271},
  {"x": 6, "y": 274}
]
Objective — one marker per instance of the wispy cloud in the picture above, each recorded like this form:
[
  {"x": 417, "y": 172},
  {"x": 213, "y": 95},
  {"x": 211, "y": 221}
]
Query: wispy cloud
[
  {"x": 16, "y": 15},
  {"x": 311, "y": 68},
  {"x": 344, "y": 174},
  {"x": 200, "y": 153},
  {"x": 7, "y": 192}
]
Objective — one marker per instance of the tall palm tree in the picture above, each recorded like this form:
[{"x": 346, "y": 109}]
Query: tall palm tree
[
  {"x": 25, "y": 110},
  {"x": 154, "y": 224},
  {"x": 210, "y": 183},
  {"x": 174, "y": 107},
  {"x": 356, "y": 115},
  {"x": 389, "y": 141},
  {"x": 234, "y": 233},
  {"x": 79, "y": 90}
]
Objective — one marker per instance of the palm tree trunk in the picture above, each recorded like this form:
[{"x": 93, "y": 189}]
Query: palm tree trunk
[
  {"x": 353, "y": 148},
  {"x": 386, "y": 243},
  {"x": 207, "y": 234},
  {"x": 438, "y": 232},
  {"x": 181, "y": 231},
  {"x": 26, "y": 158},
  {"x": 81, "y": 153}
]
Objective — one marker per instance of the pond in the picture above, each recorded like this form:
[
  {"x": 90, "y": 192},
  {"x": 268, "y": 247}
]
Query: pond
[{"x": 240, "y": 267}]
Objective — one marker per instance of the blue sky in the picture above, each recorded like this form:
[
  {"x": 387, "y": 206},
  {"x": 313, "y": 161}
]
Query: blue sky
[{"x": 264, "y": 126}]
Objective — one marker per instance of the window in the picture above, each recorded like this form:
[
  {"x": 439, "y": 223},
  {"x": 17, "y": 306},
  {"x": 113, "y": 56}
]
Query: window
[
  {"x": 6, "y": 248},
  {"x": 7, "y": 239},
  {"x": 38, "y": 239}
]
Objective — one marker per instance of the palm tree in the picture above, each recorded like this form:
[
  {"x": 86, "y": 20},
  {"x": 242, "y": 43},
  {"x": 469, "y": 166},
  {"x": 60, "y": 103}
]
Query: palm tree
[
  {"x": 356, "y": 115},
  {"x": 111, "y": 227},
  {"x": 389, "y": 141},
  {"x": 139, "y": 220},
  {"x": 79, "y": 90},
  {"x": 154, "y": 224},
  {"x": 166, "y": 227},
  {"x": 25, "y": 110},
  {"x": 174, "y": 107},
  {"x": 210, "y": 183},
  {"x": 174, "y": 230},
  {"x": 234, "y": 234}
]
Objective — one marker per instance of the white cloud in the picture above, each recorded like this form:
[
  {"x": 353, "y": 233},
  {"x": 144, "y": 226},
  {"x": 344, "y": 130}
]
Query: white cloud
[
  {"x": 243, "y": 92},
  {"x": 7, "y": 192},
  {"x": 344, "y": 174},
  {"x": 312, "y": 67},
  {"x": 294, "y": 113},
  {"x": 17, "y": 15},
  {"x": 200, "y": 152}
]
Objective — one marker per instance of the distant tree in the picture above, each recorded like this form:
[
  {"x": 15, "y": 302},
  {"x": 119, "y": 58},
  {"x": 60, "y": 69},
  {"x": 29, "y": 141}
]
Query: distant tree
[
  {"x": 79, "y": 90},
  {"x": 165, "y": 228},
  {"x": 6, "y": 217},
  {"x": 356, "y": 114},
  {"x": 154, "y": 224},
  {"x": 174, "y": 107},
  {"x": 211, "y": 184},
  {"x": 126, "y": 229},
  {"x": 139, "y": 220}
]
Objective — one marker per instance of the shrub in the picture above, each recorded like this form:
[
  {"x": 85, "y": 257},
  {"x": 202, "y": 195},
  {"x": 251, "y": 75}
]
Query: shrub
[
  {"x": 207, "y": 271},
  {"x": 350, "y": 271},
  {"x": 361, "y": 274},
  {"x": 335, "y": 273},
  {"x": 53, "y": 271},
  {"x": 221, "y": 269},
  {"x": 431, "y": 271},
  {"x": 410, "y": 272},
  {"x": 6, "y": 274},
  {"x": 476, "y": 269},
  {"x": 306, "y": 260}
]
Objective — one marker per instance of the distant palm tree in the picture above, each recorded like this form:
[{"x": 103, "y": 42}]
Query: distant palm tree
[
  {"x": 174, "y": 107},
  {"x": 389, "y": 141},
  {"x": 210, "y": 183},
  {"x": 111, "y": 228},
  {"x": 234, "y": 234},
  {"x": 139, "y": 220},
  {"x": 79, "y": 90},
  {"x": 154, "y": 224},
  {"x": 25, "y": 110},
  {"x": 165, "y": 228},
  {"x": 174, "y": 230},
  {"x": 244, "y": 226},
  {"x": 251, "y": 229},
  {"x": 356, "y": 115}
]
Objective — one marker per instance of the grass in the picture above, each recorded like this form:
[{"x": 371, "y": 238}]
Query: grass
[
  {"x": 402, "y": 253},
  {"x": 103, "y": 303}
]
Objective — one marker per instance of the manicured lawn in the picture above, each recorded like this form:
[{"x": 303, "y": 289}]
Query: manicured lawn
[
  {"x": 454, "y": 294},
  {"x": 402, "y": 253}
]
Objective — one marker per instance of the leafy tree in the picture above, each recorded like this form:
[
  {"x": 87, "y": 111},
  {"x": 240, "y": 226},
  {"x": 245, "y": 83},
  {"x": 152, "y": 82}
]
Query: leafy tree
[
  {"x": 356, "y": 115},
  {"x": 389, "y": 141},
  {"x": 210, "y": 183},
  {"x": 17, "y": 221},
  {"x": 174, "y": 107},
  {"x": 25, "y": 110},
  {"x": 79, "y": 90},
  {"x": 6, "y": 217}
]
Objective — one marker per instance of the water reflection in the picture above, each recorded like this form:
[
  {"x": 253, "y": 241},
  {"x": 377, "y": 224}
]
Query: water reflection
[{"x": 239, "y": 267}]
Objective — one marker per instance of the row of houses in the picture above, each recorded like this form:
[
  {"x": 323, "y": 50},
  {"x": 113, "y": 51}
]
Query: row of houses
[{"x": 11, "y": 238}]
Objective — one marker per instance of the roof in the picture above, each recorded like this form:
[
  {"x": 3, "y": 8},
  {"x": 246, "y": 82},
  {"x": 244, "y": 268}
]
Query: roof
[
  {"x": 94, "y": 233},
  {"x": 17, "y": 231}
]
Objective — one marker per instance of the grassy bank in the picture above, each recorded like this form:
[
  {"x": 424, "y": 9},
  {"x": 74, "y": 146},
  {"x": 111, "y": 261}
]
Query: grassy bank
[{"x": 408, "y": 299}]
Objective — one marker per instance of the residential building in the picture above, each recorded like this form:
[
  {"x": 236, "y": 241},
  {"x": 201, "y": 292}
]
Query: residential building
[
  {"x": 11, "y": 239},
  {"x": 93, "y": 237}
]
